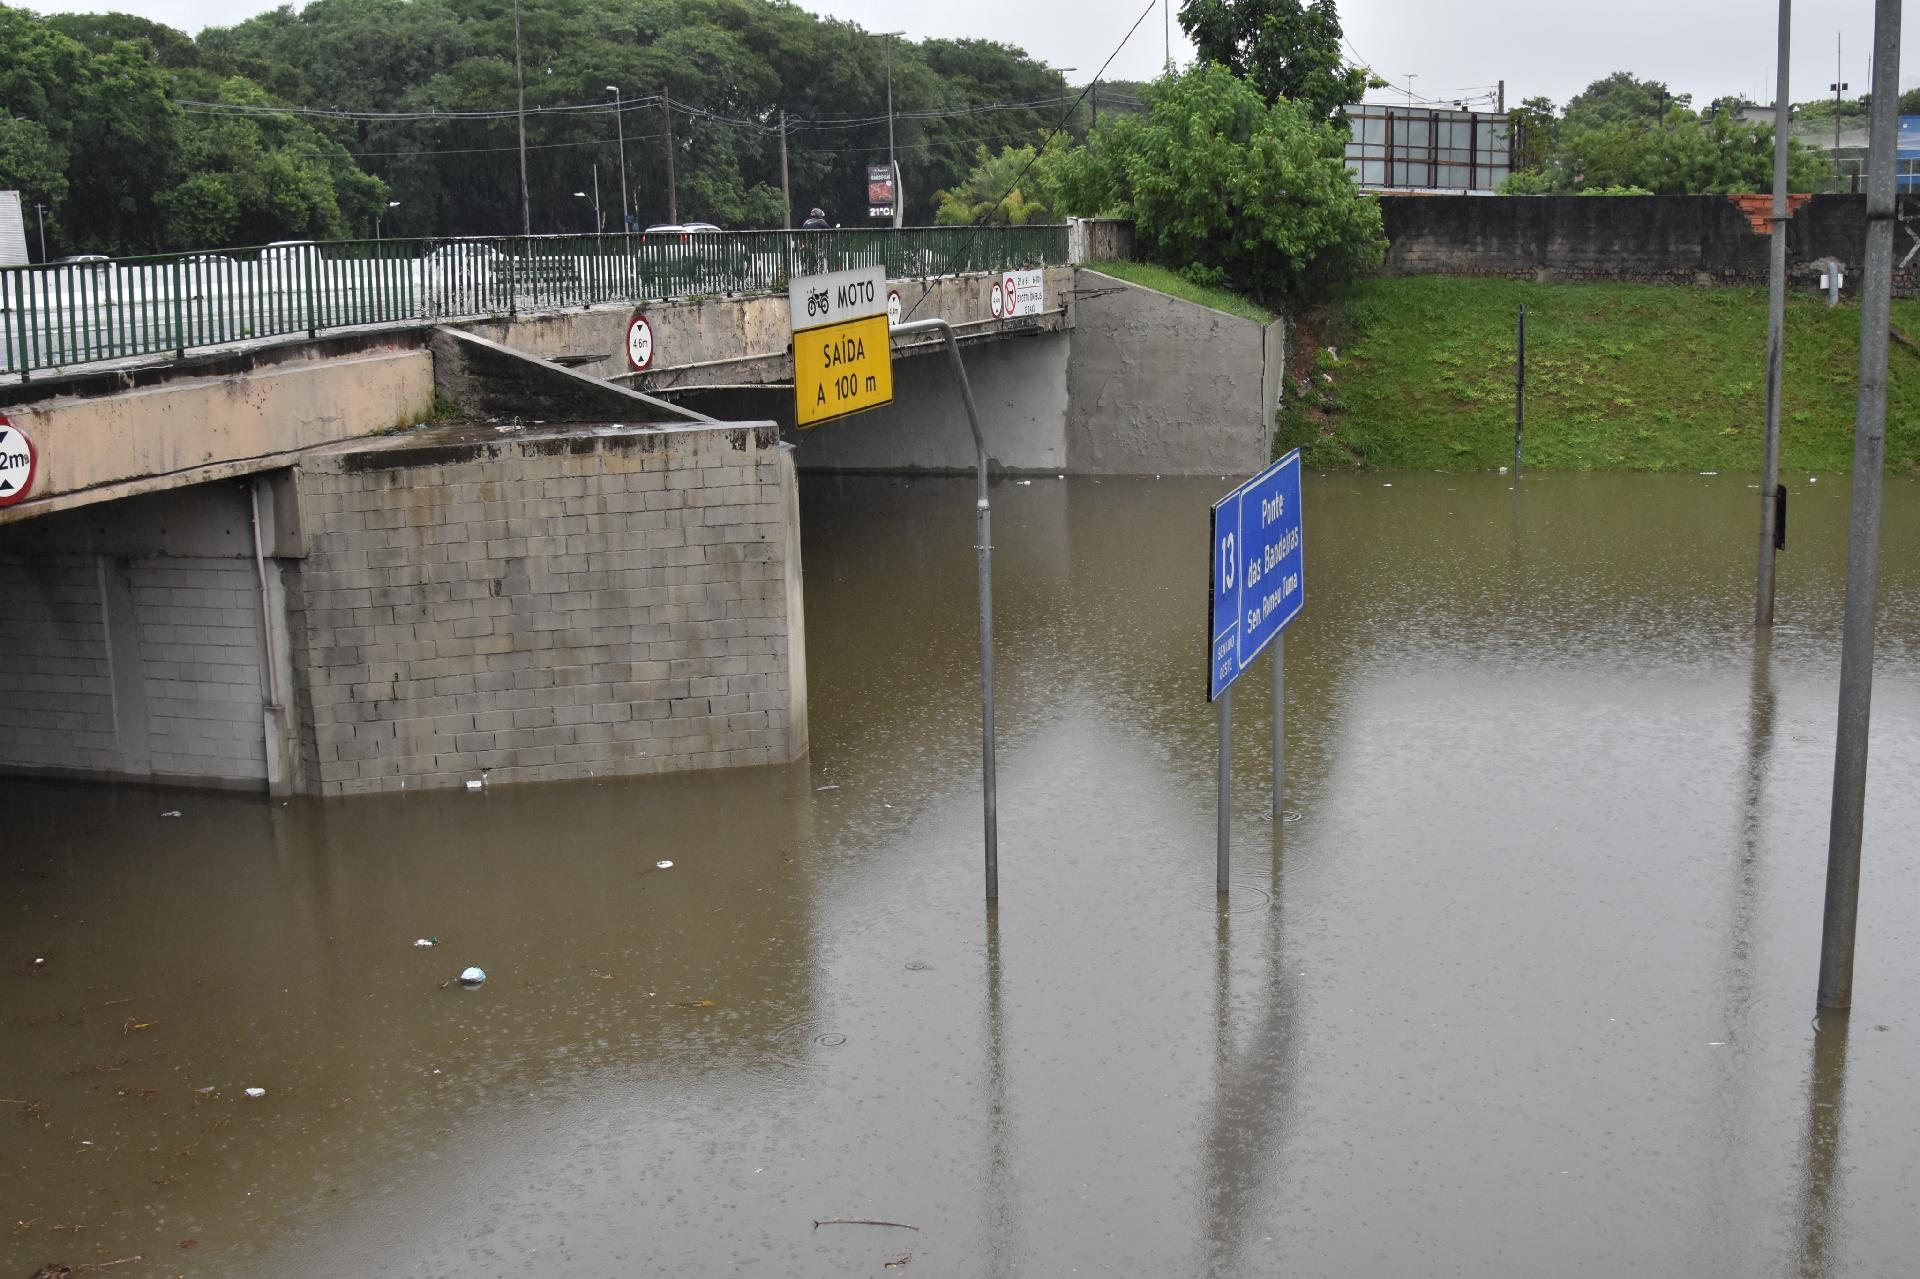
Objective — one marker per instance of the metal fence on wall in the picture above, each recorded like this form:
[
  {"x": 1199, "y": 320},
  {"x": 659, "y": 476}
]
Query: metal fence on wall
[{"x": 63, "y": 315}]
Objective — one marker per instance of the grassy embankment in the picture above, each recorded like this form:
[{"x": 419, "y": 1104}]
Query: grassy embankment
[
  {"x": 1165, "y": 281},
  {"x": 1417, "y": 373}
]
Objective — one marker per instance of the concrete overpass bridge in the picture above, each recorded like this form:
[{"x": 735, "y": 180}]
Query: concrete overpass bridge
[{"x": 430, "y": 549}]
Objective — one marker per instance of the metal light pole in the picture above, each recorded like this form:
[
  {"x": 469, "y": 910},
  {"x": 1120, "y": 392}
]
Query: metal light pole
[
  {"x": 520, "y": 95},
  {"x": 1776, "y": 331},
  {"x": 1063, "y": 92},
  {"x": 40, "y": 211},
  {"x": 893, "y": 166},
  {"x": 391, "y": 204},
  {"x": 620, "y": 132},
  {"x": 1839, "y": 87},
  {"x": 673, "y": 187},
  {"x": 1863, "y": 534}
]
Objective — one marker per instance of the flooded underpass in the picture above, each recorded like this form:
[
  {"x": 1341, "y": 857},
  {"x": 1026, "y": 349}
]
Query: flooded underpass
[{"x": 1528, "y": 988}]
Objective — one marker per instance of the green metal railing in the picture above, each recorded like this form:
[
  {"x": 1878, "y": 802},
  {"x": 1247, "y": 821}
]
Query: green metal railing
[{"x": 63, "y": 315}]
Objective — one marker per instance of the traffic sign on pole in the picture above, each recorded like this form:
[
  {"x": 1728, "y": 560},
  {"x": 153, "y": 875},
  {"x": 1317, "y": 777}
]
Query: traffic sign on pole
[
  {"x": 1257, "y": 583},
  {"x": 842, "y": 353},
  {"x": 18, "y": 461}
]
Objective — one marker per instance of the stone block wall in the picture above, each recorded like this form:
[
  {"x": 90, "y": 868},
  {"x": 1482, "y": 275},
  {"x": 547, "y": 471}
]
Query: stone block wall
[
  {"x": 199, "y": 650},
  {"x": 133, "y": 638},
  {"x": 559, "y": 604},
  {"x": 56, "y": 684}
]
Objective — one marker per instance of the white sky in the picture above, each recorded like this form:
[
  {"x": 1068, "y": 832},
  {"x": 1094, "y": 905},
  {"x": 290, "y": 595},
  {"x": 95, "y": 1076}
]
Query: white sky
[{"x": 1551, "y": 47}]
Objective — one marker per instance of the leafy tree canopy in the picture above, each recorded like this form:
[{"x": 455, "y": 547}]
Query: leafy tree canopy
[
  {"x": 1215, "y": 177},
  {"x": 1283, "y": 48}
]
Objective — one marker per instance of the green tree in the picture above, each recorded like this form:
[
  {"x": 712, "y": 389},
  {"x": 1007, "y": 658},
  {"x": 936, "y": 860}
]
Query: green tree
[
  {"x": 1010, "y": 189},
  {"x": 1623, "y": 99},
  {"x": 1218, "y": 178},
  {"x": 1284, "y": 48}
]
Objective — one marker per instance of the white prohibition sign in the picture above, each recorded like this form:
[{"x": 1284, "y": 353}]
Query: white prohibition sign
[
  {"x": 893, "y": 307},
  {"x": 639, "y": 342},
  {"x": 17, "y": 462},
  {"x": 998, "y": 300}
]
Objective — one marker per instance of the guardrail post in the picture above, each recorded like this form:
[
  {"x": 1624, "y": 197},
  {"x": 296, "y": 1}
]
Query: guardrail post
[
  {"x": 179, "y": 321},
  {"x": 308, "y": 254},
  {"x": 20, "y": 321}
]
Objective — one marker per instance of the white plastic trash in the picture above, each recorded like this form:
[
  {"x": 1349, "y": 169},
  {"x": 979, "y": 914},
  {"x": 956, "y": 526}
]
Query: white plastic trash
[
  {"x": 663, "y": 865},
  {"x": 256, "y": 1093},
  {"x": 472, "y": 976}
]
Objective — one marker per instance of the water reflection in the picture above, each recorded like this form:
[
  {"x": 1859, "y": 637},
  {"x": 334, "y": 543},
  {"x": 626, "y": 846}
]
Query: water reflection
[{"x": 1819, "y": 1197}]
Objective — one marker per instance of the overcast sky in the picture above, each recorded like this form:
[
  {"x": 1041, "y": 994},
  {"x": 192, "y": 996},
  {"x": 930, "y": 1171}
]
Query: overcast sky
[{"x": 1551, "y": 47}]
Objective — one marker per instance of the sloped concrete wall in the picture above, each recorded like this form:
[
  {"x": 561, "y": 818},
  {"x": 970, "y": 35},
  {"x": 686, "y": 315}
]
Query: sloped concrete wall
[{"x": 1161, "y": 386}]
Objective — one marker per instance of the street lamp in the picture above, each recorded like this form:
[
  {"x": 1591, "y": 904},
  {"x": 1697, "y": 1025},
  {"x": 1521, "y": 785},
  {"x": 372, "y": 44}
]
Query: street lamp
[
  {"x": 595, "y": 197},
  {"x": 620, "y": 132},
  {"x": 1062, "y": 73},
  {"x": 391, "y": 204}
]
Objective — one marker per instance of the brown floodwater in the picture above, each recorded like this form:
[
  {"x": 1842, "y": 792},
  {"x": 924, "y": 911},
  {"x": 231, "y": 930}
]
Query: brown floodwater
[{"x": 1527, "y": 990}]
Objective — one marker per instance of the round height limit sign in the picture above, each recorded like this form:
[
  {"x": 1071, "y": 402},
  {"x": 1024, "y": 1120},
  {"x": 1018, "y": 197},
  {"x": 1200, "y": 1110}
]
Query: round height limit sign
[{"x": 17, "y": 463}]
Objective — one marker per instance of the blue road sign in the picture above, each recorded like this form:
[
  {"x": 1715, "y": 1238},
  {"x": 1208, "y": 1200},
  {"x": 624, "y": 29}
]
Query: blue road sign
[{"x": 1257, "y": 579}]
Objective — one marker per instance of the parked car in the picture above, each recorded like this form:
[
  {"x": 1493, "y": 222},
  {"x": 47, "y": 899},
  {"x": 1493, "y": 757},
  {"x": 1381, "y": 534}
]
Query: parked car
[
  {"x": 92, "y": 261},
  {"x": 680, "y": 230}
]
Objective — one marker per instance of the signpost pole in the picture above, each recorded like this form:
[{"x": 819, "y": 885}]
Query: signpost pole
[
  {"x": 1257, "y": 588},
  {"x": 1279, "y": 726},
  {"x": 1223, "y": 839},
  {"x": 1520, "y": 393},
  {"x": 984, "y": 531}
]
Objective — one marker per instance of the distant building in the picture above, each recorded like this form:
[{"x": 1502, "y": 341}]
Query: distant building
[
  {"x": 13, "y": 230},
  {"x": 1907, "y": 162},
  {"x": 1413, "y": 149}
]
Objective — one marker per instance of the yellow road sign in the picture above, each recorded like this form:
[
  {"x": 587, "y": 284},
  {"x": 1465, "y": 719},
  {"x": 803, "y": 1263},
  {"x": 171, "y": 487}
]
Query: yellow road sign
[{"x": 840, "y": 369}]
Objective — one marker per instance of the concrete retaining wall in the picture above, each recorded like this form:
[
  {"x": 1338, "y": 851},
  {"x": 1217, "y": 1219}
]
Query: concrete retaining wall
[
  {"x": 1656, "y": 238},
  {"x": 561, "y": 604},
  {"x": 1161, "y": 386}
]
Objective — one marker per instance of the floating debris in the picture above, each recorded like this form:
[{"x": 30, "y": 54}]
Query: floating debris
[
  {"x": 472, "y": 976},
  {"x": 898, "y": 1260},
  {"x": 1709, "y": 472},
  {"x": 171, "y": 812},
  {"x": 475, "y": 784},
  {"x": 422, "y": 943},
  {"x": 255, "y": 1093},
  {"x": 832, "y": 786},
  {"x": 663, "y": 864}
]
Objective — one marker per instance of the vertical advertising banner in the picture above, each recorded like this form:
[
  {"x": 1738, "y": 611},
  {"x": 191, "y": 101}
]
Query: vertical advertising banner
[{"x": 879, "y": 191}]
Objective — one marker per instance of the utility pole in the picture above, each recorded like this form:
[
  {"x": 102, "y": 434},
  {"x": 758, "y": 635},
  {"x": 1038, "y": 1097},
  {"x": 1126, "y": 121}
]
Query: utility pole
[
  {"x": 893, "y": 166},
  {"x": 1093, "y": 96},
  {"x": 1503, "y": 98},
  {"x": 1776, "y": 335},
  {"x": 520, "y": 93},
  {"x": 1838, "y": 86},
  {"x": 1863, "y": 533},
  {"x": 673, "y": 193},
  {"x": 620, "y": 133},
  {"x": 1166, "y": 21},
  {"x": 786, "y": 189},
  {"x": 599, "y": 223}
]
